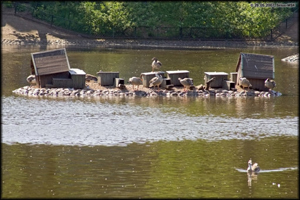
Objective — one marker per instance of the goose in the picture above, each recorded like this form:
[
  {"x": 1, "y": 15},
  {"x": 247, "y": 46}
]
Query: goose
[
  {"x": 89, "y": 77},
  {"x": 156, "y": 64},
  {"x": 186, "y": 82},
  {"x": 245, "y": 83},
  {"x": 270, "y": 84},
  {"x": 156, "y": 81},
  {"x": 253, "y": 168},
  {"x": 135, "y": 81},
  {"x": 31, "y": 79}
]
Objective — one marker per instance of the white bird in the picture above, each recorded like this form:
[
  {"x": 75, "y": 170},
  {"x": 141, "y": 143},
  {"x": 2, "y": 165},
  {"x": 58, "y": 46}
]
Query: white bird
[
  {"x": 156, "y": 64},
  {"x": 253, "y": 168},
  {"x": 31, "y": 79},
  {"x": 245, "y": 83},
  {"x": 270, "y": 84},
  {"x": 186, "y": 82},
  {"x": 156, "y": 81},
  {"x": 135, "y": 81}
]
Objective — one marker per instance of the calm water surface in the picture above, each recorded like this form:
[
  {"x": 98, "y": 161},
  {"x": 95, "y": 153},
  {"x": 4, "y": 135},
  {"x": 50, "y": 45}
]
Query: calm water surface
[{"x": 149, "y": 147}]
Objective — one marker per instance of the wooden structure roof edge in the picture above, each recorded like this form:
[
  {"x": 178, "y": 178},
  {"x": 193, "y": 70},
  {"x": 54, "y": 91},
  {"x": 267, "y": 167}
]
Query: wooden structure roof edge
[{"x": 50, "y": 61}]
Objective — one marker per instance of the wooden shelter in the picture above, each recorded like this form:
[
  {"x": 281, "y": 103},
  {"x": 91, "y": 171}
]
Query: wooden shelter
[
  {"x": 174, "y": 75},
  {"x": 107, "y": 78},
  {"x": 52, "y": 69},
  {"x": 147, "y": 76},
  {"x": 256, "y": 68}
]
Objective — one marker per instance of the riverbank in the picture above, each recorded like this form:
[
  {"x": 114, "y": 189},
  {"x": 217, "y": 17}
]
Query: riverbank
[{"x": 23, "y": 29}]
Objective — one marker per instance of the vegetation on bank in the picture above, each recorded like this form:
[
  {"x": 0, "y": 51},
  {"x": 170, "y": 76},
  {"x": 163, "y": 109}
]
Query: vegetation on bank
[{"x": 215, "y": 19}]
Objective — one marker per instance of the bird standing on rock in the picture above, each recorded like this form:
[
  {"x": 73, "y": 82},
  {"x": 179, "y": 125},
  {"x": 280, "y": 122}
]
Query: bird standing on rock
[
  {"x": 156, "y": 64},
  {"x": 156, "y": 81},
  {"x": 245, "y": 83},
  {"x": 186, "y": 82},
  {"x": 135, "y": 81},
  {"x": 270, "y": 84},
  {"x": 31, "y": 79}
]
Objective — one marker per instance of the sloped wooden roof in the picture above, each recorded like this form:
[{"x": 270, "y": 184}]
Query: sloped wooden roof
[
  {"x": 256, "y": 65},
  {"x": 50, "y": 62}
]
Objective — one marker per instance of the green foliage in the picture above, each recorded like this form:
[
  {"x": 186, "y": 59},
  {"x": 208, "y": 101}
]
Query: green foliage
[{"x": 223, "y": 19}]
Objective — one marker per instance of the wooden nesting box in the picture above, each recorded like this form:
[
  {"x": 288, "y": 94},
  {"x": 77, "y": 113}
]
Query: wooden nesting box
[
  {"x": 147, "y": 76},
  {"x": 119, "y": 82},
  {"x": 218, "y": 82},
  {"x": 107, "y": 78},
  {"x": 256, "y": 68},
  {"x": 174, "y": 75},
  {"x": 78, "y": 78},
  {"x": 51, "y": 65}
]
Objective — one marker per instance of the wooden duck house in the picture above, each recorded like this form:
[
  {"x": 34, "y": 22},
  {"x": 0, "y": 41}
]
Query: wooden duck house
[
  {"x": 174, "y": 75},
  {"x": 52, "y": 69},
  {"x": 107, "y": 78},
  {"x": 147, "y": 76},
  {"x": 220, "y": 79},
  {"x": 256, "y": 68}
]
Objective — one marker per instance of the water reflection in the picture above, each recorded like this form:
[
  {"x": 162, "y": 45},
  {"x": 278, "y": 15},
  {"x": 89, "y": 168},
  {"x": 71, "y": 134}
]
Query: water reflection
[{"x": 148, "y": 147}]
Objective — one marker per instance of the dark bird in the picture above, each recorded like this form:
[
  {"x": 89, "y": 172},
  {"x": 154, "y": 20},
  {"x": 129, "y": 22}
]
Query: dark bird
[
  {"x": 89, "y": 77},
  {"x": 156, "y": 64},
  {"x": 270, "y": 84}
]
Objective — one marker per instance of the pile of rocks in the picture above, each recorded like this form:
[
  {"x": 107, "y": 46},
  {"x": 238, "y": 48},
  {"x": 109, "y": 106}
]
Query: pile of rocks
[{"x": 71, "y": 92}]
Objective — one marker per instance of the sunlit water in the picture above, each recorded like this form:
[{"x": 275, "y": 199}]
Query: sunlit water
[{"x": 149, "y": 147}]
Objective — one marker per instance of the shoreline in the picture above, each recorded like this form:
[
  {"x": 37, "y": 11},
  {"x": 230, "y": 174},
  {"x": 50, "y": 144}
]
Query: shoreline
[
  {"x": 88, "y": 92},
  {"x": 148, "y": 43}
]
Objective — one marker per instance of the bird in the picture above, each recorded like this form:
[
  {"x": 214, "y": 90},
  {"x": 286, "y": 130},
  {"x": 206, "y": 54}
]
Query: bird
[
  {"x": 156, "y": 64},
  {"x": 245, "y": 83},
  {"x": 270, "y": 84},
  {"x": 156, "y": 81},
  {"x": 89, "y": 77},
  {"x": 253, "y": 167},
  {"x": 186, "y": 82},
  {"x": 135, "y": 81},
  {"x": 31, "y": 79}
]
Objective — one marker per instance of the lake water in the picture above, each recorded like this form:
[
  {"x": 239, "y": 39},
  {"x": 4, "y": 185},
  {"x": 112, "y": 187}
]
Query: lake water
[{"x": 157, "y": 147}]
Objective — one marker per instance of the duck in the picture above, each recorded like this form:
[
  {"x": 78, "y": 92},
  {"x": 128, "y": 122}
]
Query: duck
[
  {"x": 135, "y": 81},
  {"x": 156, "y": 64},
  {"x": 89, "y": 77},
  {"x": 245, "y": 83},
  {"x": 253, "y": 167},
  {"x": 186, "y": 82},
  {"x": 31, "y": 79},
  {"x": 156, "y": 81},
  {"x": 270, "y": 83}
]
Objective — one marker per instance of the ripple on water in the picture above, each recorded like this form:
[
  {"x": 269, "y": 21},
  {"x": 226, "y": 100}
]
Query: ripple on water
[{"x": 74, "y": 122}]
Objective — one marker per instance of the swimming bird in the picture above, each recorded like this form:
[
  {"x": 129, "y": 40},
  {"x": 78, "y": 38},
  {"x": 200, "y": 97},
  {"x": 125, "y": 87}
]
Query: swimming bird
[
  {"x": 31, "y": 79},
  {"x": 253, "y": 168},
  {"x": 156, "y": 64},
  {"x": 156, "y": 81},
  {"x": 135, "y": 81},
  {"x": 270, "y": 84},
  {"x": 186, "y": 82},
  {"x": 245, "y": 83}
]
